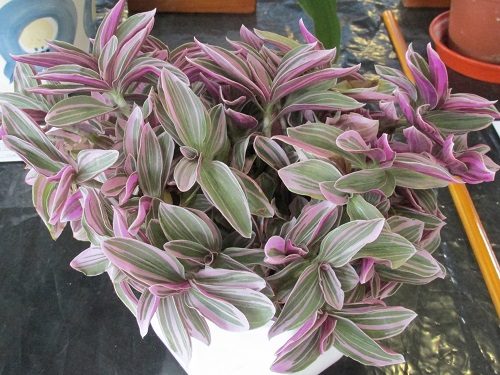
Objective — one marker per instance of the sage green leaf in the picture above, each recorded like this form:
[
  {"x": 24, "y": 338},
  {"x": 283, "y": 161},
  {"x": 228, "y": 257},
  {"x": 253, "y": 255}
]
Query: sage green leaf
[
  {"x": 282, "y": 42},
  {"x": 76, "y": 109},
  {"x": 185, "y": 110},
  {"x": 33, "y": 156},
  {"x": 222, "y": 188},
  {"x": 270, "y": 152},
  {"x": 330, "y": 285},
  {"x": 354, "y": 343},
  {"x": 257, "y": 201},
  {"x": 144, "y": 262},
  {"x": 216, "y": 140},
  {"x": 365, "y": 180},
  {"x": 150, "y": 163},
  {"x": 379, "y": 322},
  {"x": 186, "y": 173},
  {"x": 325, "y": 101},
  {"x": 304, "y": 177},
  {"x": 410, "y": 229},
  {"x": 359, "y": 209},
  {"x": 179, "y": 223},
  {"x": 224, "y": 314},
  {"x": 449, "y": 122},
  {"x": 91, "y": 262},
  {"x": 257, "y": 308},
  {"x": 420, "y": 269},
  {"x": 43, "y": 193},
  {"x": 93, "y": 162},
  {"x": 172, "y": 330},
  {"x": 305, "y": 298},
  {"x": 342, "y": 243},
  {"x": 390, "y": 248}
]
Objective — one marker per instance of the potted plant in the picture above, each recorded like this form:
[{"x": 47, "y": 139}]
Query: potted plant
[{"x": 260, "y": 189}]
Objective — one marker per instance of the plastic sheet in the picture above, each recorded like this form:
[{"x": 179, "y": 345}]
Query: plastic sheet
[{"x": 54, "y": 320}]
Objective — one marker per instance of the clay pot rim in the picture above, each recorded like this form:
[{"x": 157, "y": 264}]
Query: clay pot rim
[{"x": 465, "y": 65}]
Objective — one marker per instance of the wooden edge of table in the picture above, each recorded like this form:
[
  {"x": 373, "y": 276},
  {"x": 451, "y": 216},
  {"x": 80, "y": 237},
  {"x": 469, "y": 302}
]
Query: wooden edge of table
[{"x": 193, "y": 6}]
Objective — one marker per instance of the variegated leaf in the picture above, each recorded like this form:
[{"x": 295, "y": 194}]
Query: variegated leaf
[
  {"x": 196, "y": 324},
  {"x": 186, "y": 173},
  {"x": 354, "y": 343},
  {"x": 91, "y": 262},
  {"x": 342, "y": 243},
  {"x": 305, "y": 298},
  {"x": 150, "y": 163},
  {"x": 304, "y": 177},
  {"x": 390, "y": 248},
  {"x": 146, "y": 308},
  {"x": 222, "y": 188},
  {"x": 179, "y": 223},
  {"x": 331, "y": 287},
  {"x": 93, "y": 162},
  {"x": 379, "y": 322},
  {"x": 257, "y": 201},
  {"x": 172, "y": 330},
  {"x": 365, "y": 180},
  {"x": 229, "y": 279},
  {"x": 270, "y": 152},
  {"x": 257, "y": 308},
  {"x": 185, "y": 110},
  {"x": 143, "y": 261},
  {"x": 221, "y": 313},
  {"x": 126, "y": 295},
  {"x": 325, "y": 101},
  {"x": 216, "y": 140},
  {"x": 76, "y": 109},
  {"x": 410, "y": 229},
  {"x": 359, "y": 209}
]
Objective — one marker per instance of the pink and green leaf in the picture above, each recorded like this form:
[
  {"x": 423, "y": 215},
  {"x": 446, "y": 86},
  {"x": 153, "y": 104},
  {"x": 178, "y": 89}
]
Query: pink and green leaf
[
  {"x": 93, "y": 162},
  {"x": 76, "y": 109},
  {"x": 146, "y": 308},
  {"x": 91, "y": 262}
]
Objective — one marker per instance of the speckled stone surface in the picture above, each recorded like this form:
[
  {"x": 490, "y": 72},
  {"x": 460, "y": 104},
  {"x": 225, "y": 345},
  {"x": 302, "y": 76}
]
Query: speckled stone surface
[{"x": 56, "y": 321}]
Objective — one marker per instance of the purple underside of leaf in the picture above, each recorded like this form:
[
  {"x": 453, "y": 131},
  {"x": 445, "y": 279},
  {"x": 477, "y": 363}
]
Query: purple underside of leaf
[
  {"x": 146, "y": 308},
  {"x": 50, "y": 59}
]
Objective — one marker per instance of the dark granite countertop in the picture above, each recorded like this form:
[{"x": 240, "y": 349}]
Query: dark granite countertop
[{"x": 54, "y": 320}]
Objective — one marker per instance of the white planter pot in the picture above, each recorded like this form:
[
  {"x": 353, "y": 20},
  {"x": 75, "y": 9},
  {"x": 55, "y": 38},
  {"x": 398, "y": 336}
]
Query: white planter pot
[{"x": 244, "y": 353}]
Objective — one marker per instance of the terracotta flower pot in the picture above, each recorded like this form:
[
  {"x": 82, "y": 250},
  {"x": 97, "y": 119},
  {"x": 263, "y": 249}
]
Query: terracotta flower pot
[{"x": 474, "y": 29}]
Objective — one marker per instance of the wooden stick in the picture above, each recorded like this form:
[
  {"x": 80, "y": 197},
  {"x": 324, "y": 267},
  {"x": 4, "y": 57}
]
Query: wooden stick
[{"x": 486, "y": 259}]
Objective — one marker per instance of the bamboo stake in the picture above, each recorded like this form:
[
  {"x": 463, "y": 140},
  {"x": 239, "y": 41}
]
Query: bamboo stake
[{"x": 481, "y": 246}]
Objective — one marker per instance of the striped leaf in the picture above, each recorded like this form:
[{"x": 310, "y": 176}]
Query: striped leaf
[
  {"x": 323, "y": 101},
  {"x": 76, "y": 109},
  {"x": 221, "y": 313},
  {"x": 313, "y": 223},
  {"x": 354, "y": 343},
  {"x": 188, "y": 250},
  {"x": 150, "y": 163},
  {"x": 127, "y": 52},
  {"x": 146, "y": 308},
  {"x": 216, "y": 140},
  {"x": 283, "y": 43},
  {"x": 186, "y": 173},
  {"x": 300, "y": 357},
  {"x": 108, "y": 27},
  {"x": 342, "y": 243},
  {"x": 257, "y": 200},
  {"x": 93, "y": 162},
  {"x": 91, "y": 262},
  {"x": 410, "y": 229},
  {"x": 331, "y": 287},
  {"x": 132, "y": 135},
  {"x": 70, "y": 73},
  {"x": 196, "y": 324},
  {"x": 16, "y": 123},
  {"x": 379, "y": 322},
  {"x": 390, "y": 248},
  {"x": 305, "y": 298},
  {"x": 172, "y": 330},
  {"x": 23, "y": 101},
  {"x": 347, "y": 276},
  {"x": 43, "y": 195},
  {"x": 142, "y": 261},
  {"x": 33, "y": 156},
  {"x": 451, "y": 122},
  {"x": 270, "y": 152},
  {"x": 257, "y": 308},
  {"x": 222, "y": 188},
  {"x": 304, "y": 177},
  {"x": 185, "y": 110},
  {"x": 179, "y": 223},
  {"x": 126, "y": 295},
  {"x": 420, "y": 269},
  {"x": 229, "y": 279},
  {"x": 359, "y": 209},
  {"x": 366, "y": 180}
]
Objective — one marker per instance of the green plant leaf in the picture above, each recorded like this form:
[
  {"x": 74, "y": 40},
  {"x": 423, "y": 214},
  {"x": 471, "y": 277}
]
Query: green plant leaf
[
  {"x": 76, "y": 109},
  {"x": 325, "y": 19},
  {"x": 222, "y": 188}
]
